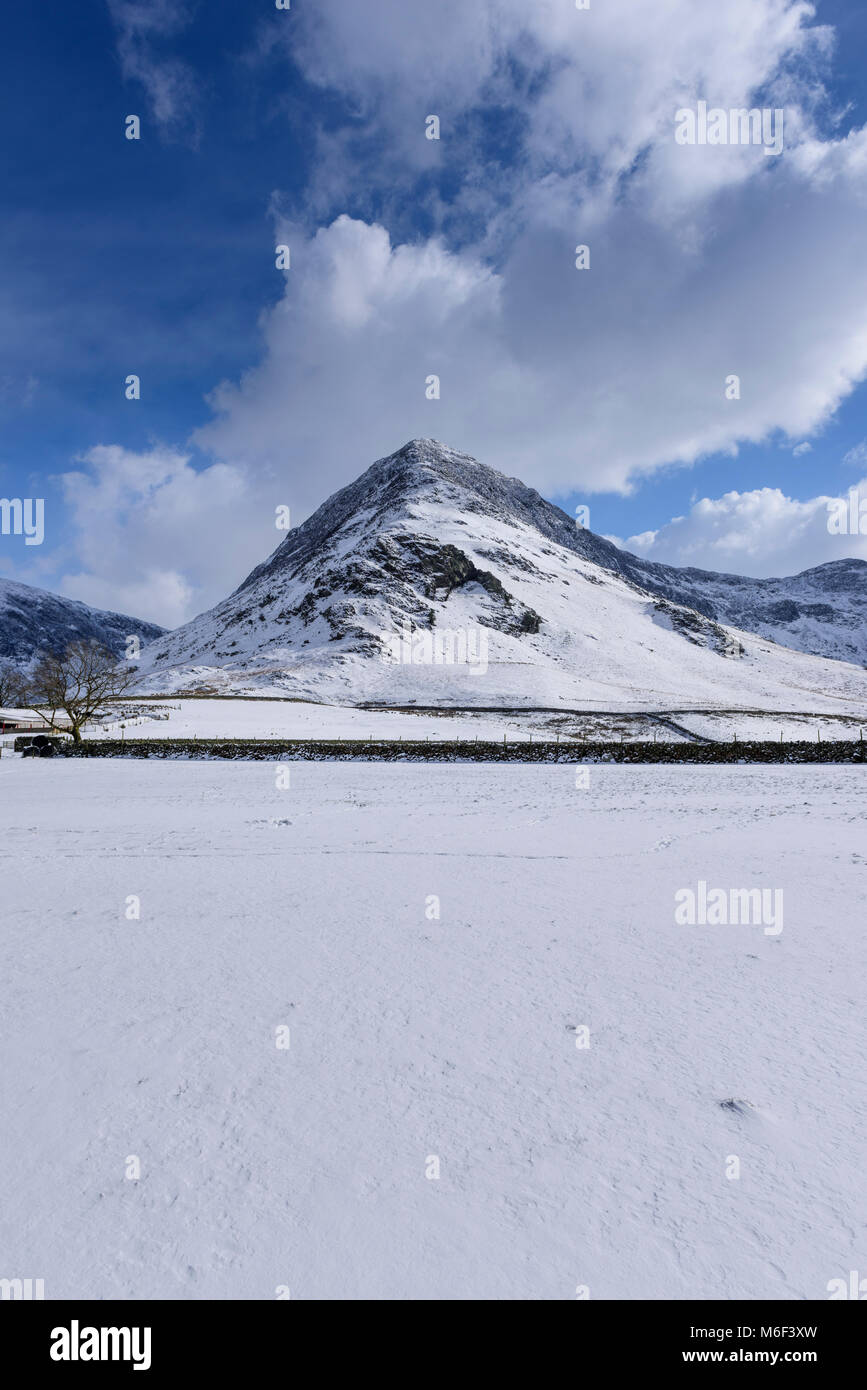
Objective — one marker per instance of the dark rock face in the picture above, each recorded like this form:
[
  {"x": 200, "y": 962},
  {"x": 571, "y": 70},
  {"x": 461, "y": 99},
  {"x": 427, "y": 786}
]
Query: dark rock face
[
  {"x": 33, "y": 620},
  {"x": 783, "y": 612},
  {"x": 698, "y": 629},
  {"x": 441, "y": 569}
]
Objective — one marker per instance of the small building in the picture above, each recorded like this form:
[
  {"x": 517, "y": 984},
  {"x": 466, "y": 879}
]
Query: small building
[{"x": 21, "y": 721}]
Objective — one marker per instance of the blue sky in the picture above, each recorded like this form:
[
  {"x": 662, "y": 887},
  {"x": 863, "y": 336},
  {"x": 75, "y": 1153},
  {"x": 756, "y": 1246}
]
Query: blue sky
[{"x": 412, "y": 257}]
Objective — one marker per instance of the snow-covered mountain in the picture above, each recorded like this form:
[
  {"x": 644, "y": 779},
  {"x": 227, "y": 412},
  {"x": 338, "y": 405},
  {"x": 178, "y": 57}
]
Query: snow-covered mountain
[
  {"x": 33, "y": 621},
  {"x": 822, "y": 611},
  {"x": 430, "y": 556}
]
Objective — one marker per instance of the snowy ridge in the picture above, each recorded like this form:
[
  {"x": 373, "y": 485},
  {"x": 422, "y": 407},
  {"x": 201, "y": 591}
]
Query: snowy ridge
[{"x": 822, "y": 611}]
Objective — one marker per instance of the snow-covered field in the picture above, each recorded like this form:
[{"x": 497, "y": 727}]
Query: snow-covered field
[
  {"x": 290, "y": 719},
  {"x": 417, "y": 1037}
]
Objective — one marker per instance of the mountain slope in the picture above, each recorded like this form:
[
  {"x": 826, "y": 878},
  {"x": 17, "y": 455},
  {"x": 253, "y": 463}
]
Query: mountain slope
[
  {"x": 433, "y": 546},
  {"x": 822, "y": 611},
  {"x": 33, "y": 620}
]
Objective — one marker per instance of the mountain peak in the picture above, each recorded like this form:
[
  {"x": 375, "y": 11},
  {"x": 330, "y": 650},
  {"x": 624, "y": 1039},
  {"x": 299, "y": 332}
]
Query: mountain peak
[
  {"x": 424, "y": 449},
  {"x": 423, "y": 472},
  {"x": 428, "y": 470},
  {"x": 420, "y": 460}
]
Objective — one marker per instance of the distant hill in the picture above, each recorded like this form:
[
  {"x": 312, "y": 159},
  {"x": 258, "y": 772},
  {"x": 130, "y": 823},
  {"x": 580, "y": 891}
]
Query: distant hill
[{"x": 33, "y": 620}]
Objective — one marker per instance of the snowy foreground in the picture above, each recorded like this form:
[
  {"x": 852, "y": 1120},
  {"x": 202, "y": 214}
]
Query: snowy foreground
[{"x": 416, "y": 1038}]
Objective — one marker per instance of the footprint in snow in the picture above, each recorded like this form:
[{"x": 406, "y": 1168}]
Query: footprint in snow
[{"x": 737, "y": 1107}]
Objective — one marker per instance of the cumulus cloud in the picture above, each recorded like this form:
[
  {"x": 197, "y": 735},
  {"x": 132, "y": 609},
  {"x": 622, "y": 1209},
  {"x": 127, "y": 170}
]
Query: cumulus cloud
[
  {"x": 762, "y": 533},
  {"x": 572, "y": 379},
  {"x": 705, "y": 262},
  {"x": 154, "y": 537},
  {"x": 348, "y": 352},
  {"x": 595, "y": 91}
]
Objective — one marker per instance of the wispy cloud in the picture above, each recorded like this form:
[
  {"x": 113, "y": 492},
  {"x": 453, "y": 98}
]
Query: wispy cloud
[
  {"x": 857, "y": 457},
  {"x": 145, "y": 29}
]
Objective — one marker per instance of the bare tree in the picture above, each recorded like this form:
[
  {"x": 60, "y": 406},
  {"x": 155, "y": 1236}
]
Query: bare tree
[
  {"x": 77, "y": 685},
  {"x": 11, "y": 686}
]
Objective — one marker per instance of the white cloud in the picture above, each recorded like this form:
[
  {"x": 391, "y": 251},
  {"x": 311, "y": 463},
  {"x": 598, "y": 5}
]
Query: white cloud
[
  {"x": 570, "y": 379},
  {"x": 801, "y": 449},
  {"x": 762, "y": 533},
  {"x": 705, "y": 261},
  {"x": 347, "y": 354},
  {"x": 596, "y": 89},
  {"x": 151, "y": 536}
]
